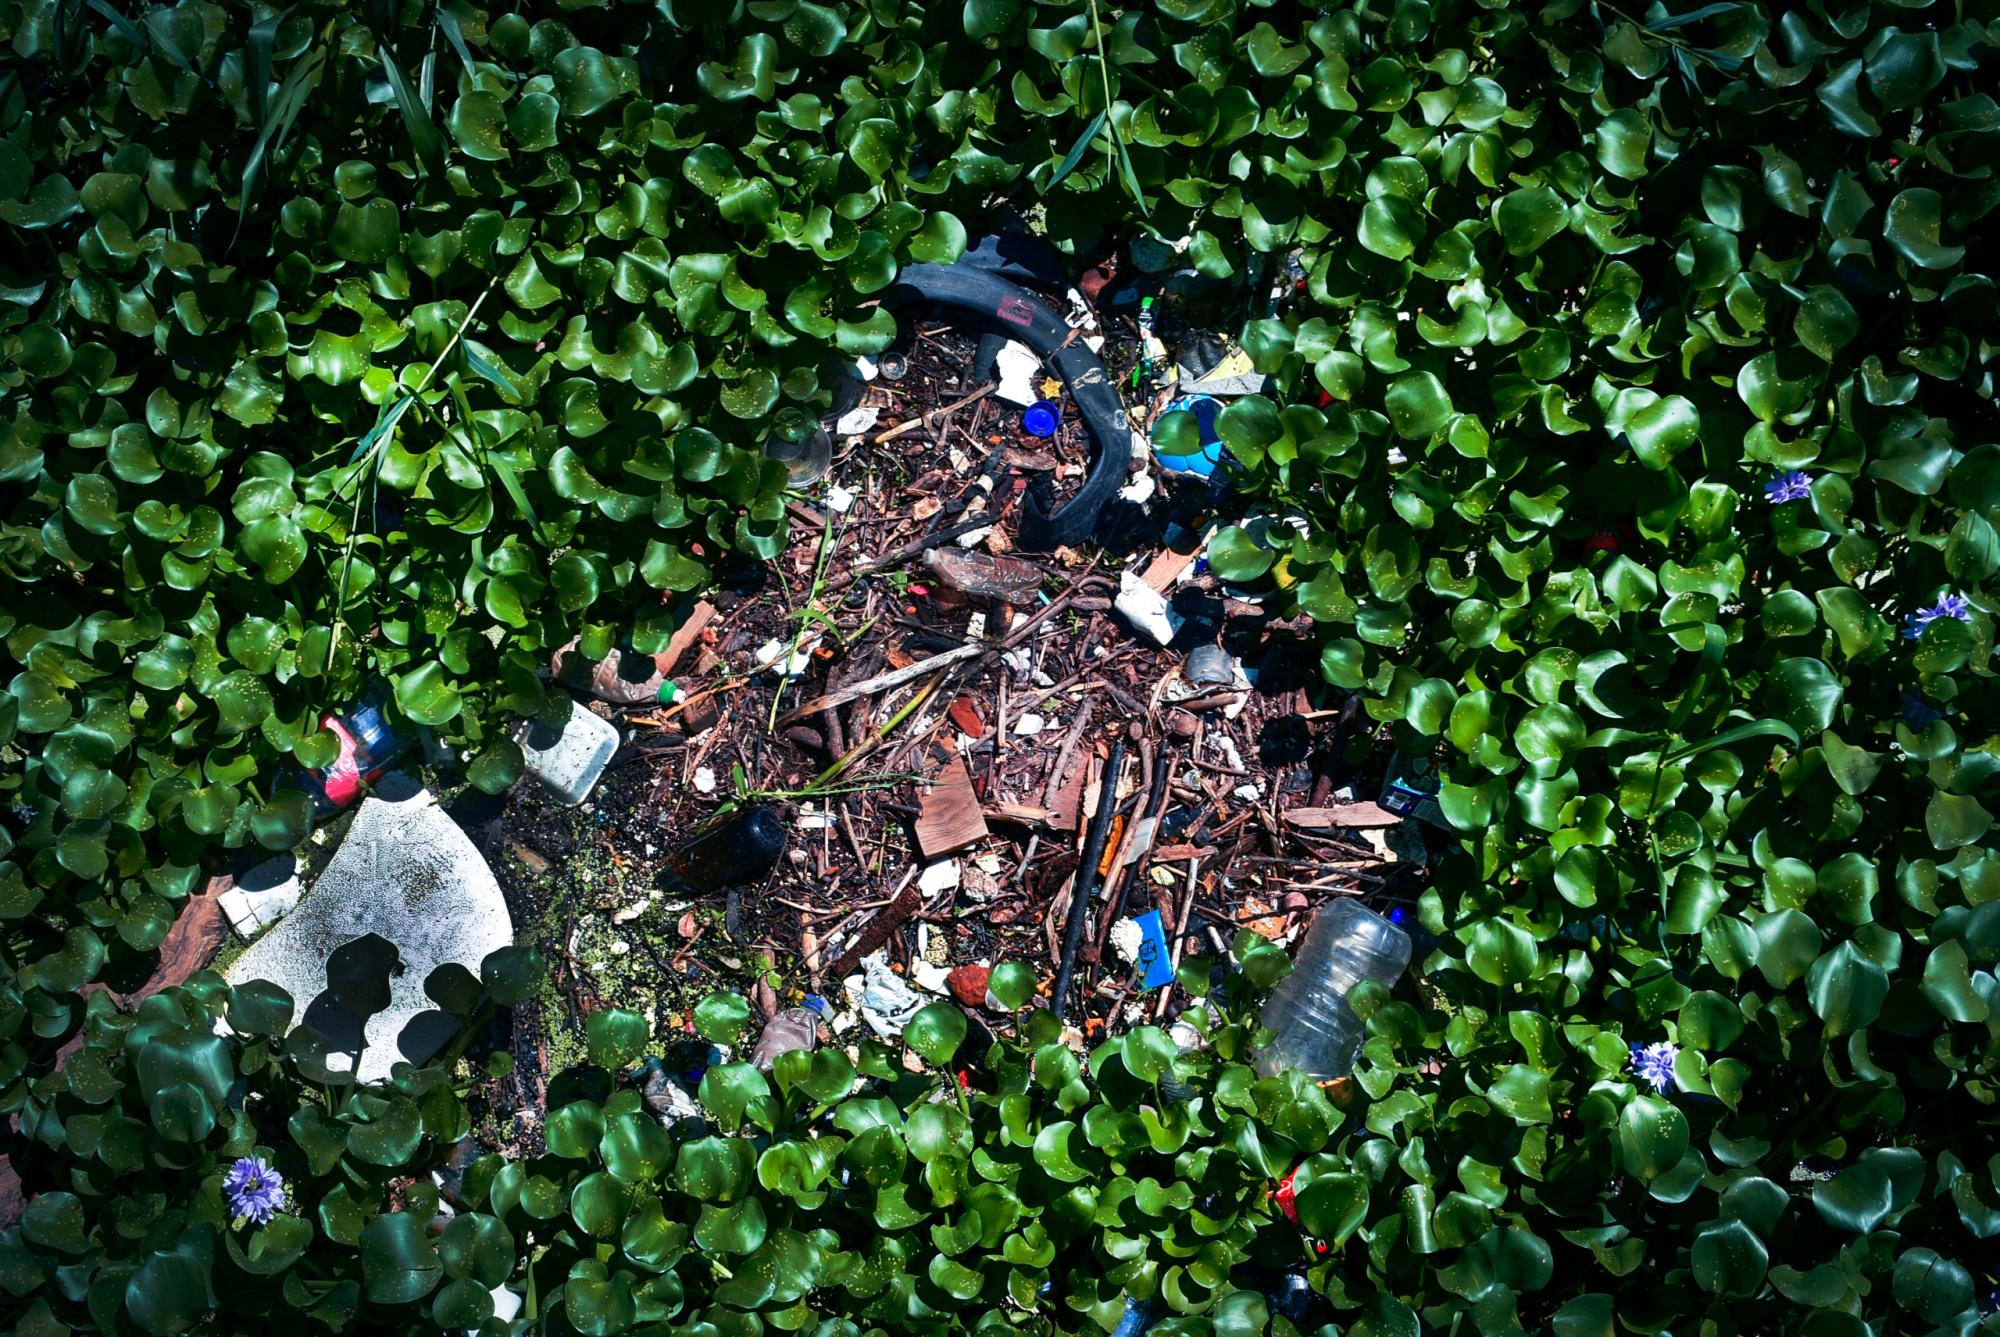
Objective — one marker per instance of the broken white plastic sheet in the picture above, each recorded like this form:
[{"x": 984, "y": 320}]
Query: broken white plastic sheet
[
  {"x": 1017, "y": 366},
  {"x": 407, "y": 879},
  {"x": 886, "y": 1000},
  {"x": 1144, "y": 607}
]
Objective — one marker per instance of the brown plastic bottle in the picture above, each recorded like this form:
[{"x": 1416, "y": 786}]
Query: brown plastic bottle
[{"x": 741, "y": 847}]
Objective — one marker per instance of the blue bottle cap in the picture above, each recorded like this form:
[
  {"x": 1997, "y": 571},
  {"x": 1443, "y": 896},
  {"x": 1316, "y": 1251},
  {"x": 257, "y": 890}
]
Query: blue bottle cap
[{"x": 1042, "y": 418}]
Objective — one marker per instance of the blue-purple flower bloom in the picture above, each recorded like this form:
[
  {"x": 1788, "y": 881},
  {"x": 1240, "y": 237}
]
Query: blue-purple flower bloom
[
  {"x": 1792, "y": 485},
  {"x": 1654, "y": 1064},
  {"x": 1948, "y": 605},
  {"x": 254, "y": 1191}
]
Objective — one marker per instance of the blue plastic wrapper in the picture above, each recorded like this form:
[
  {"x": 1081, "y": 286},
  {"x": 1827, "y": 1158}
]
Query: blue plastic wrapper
[{"x": 1154, "y": 959}]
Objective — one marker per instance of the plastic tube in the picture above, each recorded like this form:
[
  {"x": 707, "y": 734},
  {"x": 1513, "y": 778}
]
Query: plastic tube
[{"x": 1027, "y": 317}]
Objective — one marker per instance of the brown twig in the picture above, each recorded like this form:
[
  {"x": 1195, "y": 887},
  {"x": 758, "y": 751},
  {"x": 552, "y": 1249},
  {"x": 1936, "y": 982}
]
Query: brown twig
[{"x": 904, "y": 428}]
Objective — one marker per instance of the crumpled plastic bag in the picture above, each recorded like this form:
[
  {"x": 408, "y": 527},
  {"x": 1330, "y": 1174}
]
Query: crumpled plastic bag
[
  {"x": 794, "y": 1028},
  {"x": 886, "y": 1000}
]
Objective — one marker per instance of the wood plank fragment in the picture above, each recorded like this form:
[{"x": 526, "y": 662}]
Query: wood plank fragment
[
  {"x": 950, "y": 818},
  {"x": 1164, "y": 570},
  {"x": 1020, "y": 814},
  {"x": 686, "y": 635},
  {"x": 1357, "y": 816}
]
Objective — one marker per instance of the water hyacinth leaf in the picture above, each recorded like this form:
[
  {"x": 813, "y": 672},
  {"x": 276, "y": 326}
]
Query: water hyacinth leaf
[
  {"x": 1418, "y": 405},
  {"x": 941, "y": 240},
  {"x": 398, "y": 1262},
  {"x": 1913, "y": 225},
  {"x": 498, "y": 767},
  {"x": 390, "y": 1137},
  {"x": 936, "y": 1032},
  {"x": 1856, "y": 1199},
  {"x": 599, "y": 1203},
  {"x": 1657, "y": 428},
  {"x": 427, "y": 695},
  {"x": 1522, "y": 1094},
  {"x": 1803, "y": 693},
  {"x": 1652, "y": 1137},
  {"x": 171, "y": 1290},
  {"x": 1235, "y": 555},
  {"x": 1390, "y": 227},
  {"x": 1527, "y": 219},
  {"x": 1729, "y": 1259},
  {"x": 477, "y": 122},
  {"x": 55, "y": 1221},
  {"x": 1826, "y": 321},
  {"x": 1847, "y": 990},
  {"x": 1012, "y": 985},
  {"x": 1700, "y": 788},
  {"x": 1501, "y": 953},
  {"x": 511, "y": 973},
  {"x": 616, "y": 1037}
]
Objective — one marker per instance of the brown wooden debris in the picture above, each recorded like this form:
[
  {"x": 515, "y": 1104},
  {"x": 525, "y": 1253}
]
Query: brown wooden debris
[
  {"x": 871, "y": 938},
  {"x": 1359, "y": 816},
  {"x": 1164, "y": 570},
  {"x": 1020, "y": 814},
  {"x": 686, "y": 635},
  {"x": 950, "y": 817}
]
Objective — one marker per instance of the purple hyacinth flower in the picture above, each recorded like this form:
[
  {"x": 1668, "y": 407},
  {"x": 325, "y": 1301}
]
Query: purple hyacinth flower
[
  {"x": 1948, "y": 605},
  {"x": 254, "y": 1191},
  {"x": 1793, "y": 485},
  {"x": 1654, "y": 1064}
]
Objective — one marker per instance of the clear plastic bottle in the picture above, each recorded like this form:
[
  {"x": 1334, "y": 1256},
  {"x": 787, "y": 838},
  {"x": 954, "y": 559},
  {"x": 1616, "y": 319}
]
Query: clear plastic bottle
[{"x": 1317, "y": 1033}]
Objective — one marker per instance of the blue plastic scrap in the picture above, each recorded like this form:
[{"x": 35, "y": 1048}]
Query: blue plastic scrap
[
  {"x": 1154, "y": 959},
  {"x": 1203, "y": 462}
]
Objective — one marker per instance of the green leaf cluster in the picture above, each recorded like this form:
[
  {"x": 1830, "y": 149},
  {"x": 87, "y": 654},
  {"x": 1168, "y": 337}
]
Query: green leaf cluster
[
  {"x": 147, "y": 1116},
  {"x": 408, "y": 342}
]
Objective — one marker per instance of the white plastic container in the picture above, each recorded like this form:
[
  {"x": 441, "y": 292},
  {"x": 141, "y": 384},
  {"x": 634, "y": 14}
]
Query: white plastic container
[{"x": 570, "y": 758}]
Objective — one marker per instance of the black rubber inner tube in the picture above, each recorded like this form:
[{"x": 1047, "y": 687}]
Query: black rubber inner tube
[{"x": 1022, "y": 315}]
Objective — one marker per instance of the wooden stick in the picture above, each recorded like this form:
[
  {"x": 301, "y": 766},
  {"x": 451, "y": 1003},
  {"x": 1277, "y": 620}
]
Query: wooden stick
[
  {"x": 882, "y": 682},
  {"x": 903, "y": 428},
  {"x": 660, "y": 720}
]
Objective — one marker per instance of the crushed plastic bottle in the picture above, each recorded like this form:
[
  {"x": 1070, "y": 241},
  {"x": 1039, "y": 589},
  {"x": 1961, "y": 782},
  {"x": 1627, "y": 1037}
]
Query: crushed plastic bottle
[
  {"x": 1317, "y": 1032},
  {"x": 1006, "y": 578},
  {"x": 621, "y": 678},
  {"x": 806, "y": 457},
  {"x": 737, "y": 849},
  {"x": 1209, "y": 667},
  {"x": 367, "y": 746}
]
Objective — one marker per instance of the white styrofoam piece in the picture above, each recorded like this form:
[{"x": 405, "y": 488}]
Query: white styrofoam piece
[
  {"x": 407, "y": 874},
  {"x": 262, "y": 896}
]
